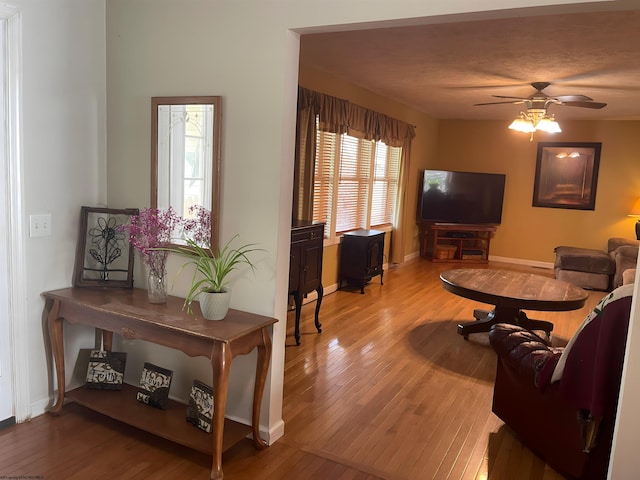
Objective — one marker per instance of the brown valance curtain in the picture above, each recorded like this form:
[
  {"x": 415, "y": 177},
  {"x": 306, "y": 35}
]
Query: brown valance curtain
[{"x": 341, "y": 116}]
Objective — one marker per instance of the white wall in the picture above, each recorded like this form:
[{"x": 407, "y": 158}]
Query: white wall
[{"x": 63, "y": 115}]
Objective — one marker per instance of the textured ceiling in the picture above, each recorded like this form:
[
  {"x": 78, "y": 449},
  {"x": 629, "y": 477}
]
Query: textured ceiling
[{"x": 444, "y": 69}]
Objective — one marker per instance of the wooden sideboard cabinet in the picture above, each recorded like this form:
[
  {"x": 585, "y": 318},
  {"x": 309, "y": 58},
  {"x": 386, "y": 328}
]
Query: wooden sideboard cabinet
[
  {"x": 305, "y": 267},
  {"x": 127, "y": 312},
  {"x": 361, "y": 257}
]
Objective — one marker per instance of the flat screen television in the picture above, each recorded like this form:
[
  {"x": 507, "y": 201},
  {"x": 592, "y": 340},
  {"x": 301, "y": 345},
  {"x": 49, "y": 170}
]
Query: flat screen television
[{"x": 461, "y": 197}]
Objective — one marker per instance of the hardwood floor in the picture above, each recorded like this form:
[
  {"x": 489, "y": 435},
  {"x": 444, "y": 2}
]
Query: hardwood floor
[{"x": 388, "y": 390}]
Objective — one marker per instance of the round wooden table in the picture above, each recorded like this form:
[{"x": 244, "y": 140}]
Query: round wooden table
[{"x": 511, "y": 293}]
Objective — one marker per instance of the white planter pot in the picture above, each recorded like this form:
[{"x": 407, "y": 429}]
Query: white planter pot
[{"x": 214, "y": 306}]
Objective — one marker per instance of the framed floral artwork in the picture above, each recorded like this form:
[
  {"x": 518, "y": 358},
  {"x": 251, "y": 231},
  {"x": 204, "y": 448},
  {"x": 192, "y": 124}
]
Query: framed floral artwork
[
  {"x": 566, "y": 175},
  {"x": 104, "y": 256}
]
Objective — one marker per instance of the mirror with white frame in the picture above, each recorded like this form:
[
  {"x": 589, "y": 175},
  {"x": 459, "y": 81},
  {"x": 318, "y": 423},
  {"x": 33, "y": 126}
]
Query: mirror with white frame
[{"x": 185, "y": 155}]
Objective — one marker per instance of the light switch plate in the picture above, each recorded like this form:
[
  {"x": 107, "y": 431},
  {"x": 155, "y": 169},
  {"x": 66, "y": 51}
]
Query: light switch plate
[{"x": 40, "y": 225}]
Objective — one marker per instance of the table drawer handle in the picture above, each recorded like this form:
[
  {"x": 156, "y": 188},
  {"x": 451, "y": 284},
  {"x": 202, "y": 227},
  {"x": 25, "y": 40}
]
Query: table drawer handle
[{"x": 128, "y": 332}]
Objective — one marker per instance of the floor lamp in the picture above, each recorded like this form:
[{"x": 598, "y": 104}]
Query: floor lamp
[{"x": 635, "y": 212}]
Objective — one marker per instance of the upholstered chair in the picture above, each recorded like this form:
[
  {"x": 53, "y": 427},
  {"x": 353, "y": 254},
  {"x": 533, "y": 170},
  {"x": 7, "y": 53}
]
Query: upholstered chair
[{"x": 562, "y": 402}]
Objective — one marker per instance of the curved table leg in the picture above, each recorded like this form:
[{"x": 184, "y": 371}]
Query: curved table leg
[
  {"x": 320, "y": 292},
  {"x": 530, "y": 324},
  {"x": 264, "y": 355},
  {"x": 54, "y": 323},
  {"x": 486, "y": 319},
  {"x": 220, "y": 364},
  {"x": 107, "y": 340},
  {"x": 297, "y": 298},
  {"x": 482, "y": 324}
]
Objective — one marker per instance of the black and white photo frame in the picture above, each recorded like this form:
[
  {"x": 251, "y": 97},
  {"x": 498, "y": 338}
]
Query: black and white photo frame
[
  {"x": 106, "y": 370},
  {"x": 155, "y": 382},
  {"x": 200, "y": 408}
]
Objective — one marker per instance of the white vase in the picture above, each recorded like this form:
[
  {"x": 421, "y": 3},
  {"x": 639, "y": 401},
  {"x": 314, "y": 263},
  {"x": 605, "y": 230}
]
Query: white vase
[{"x": 214, "y": 306}]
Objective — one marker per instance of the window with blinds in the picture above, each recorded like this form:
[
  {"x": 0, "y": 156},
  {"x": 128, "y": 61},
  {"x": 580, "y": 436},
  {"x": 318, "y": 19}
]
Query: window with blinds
[{"x": 355, "y": 182}]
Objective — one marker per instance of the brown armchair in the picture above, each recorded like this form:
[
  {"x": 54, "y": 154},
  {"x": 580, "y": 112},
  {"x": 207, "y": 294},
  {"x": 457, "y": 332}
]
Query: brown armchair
[{"x": 561, "y": 402}]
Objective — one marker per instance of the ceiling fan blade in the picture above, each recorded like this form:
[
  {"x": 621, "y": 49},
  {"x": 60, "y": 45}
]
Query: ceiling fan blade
[
  {"x": 574, "y": 98},
  {"x": 584, "y": 104},
  {"x": 506, "y": 96},
  {"x": 513, "y": 102},
  {"x": 541, "y": 101}
]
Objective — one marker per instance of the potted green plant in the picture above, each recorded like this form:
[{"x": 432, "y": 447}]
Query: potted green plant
[{"x": 209, "y": 284}]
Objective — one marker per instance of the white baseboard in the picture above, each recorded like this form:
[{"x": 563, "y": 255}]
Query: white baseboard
[
  {"x": 313, "y": 296},
  {"x": 38, "y": 408},
  {"x": 493, "y": 258},
  {"x": 411, "y": 256},
  {"x": 270, "y": 435},
  {"x": 274, "y": 433},
  {"x": 519, "y": 261}
]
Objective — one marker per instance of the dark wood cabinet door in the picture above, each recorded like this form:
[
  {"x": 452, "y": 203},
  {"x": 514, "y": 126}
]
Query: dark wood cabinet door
[
  {"x": 295, "y": 259},
  {"x": 311, "y": 268},
  {"x": 375, "y": 255},
  {"x": 305, "y": 262}
]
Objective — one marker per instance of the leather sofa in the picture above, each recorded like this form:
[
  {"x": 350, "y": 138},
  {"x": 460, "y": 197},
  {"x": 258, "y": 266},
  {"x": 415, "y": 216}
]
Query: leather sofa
[
  {"x": 595, "y": 269},
  {"x": 561, "y": 402}
]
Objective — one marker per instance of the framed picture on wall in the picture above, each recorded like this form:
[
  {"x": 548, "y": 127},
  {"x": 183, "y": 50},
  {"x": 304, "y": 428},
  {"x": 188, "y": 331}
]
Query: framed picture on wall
[
  {"x": 566, "y": 175},
  {"x": 104, "y": 256}
]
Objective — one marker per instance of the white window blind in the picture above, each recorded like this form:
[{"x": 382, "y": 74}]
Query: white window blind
[
  {"x": 323, "y": 180},
  {"x": 385, "y": 184},
  {"x": 355, "y": 183}
]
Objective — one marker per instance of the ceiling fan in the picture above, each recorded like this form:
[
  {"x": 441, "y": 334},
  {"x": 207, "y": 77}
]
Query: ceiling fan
[
  {"x": 536, "y": 117},
  {"x": 541, "y": 101}
]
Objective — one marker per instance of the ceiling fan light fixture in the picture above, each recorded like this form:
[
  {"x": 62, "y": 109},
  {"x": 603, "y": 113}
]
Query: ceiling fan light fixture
[
  {"x": 522, "y": 124},
  {"x": 534, "y": 120},
  {"x": 548, "y": 124}
]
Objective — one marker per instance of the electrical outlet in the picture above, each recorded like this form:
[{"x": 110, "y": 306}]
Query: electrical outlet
[{"x": 40, "y": 225}]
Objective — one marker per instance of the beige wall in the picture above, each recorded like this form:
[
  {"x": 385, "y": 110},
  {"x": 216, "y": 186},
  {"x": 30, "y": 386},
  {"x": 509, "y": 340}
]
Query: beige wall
[{"x": 531, "y": 233}]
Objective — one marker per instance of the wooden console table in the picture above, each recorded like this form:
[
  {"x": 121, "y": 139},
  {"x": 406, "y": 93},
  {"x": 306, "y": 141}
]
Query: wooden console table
[{"x": 127, "y": 312}]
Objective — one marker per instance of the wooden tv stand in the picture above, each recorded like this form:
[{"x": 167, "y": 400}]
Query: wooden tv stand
[
  {"x": 456, "y": 242},
  {"x": 127, "y": 312}
]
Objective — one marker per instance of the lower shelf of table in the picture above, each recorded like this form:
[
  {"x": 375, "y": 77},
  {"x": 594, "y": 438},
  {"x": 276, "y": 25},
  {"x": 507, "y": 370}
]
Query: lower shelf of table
[{"x": 170, "y": 424}]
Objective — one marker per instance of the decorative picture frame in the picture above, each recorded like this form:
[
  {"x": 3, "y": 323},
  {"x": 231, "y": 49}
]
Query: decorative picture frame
[
  {"x": 104, "y": 255},
  {"x": 566, "y": 175},
  {"x": 106, "y": 370},
  {"x": 155, "y": 382},
  {"x": 200, "y": 408}
]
